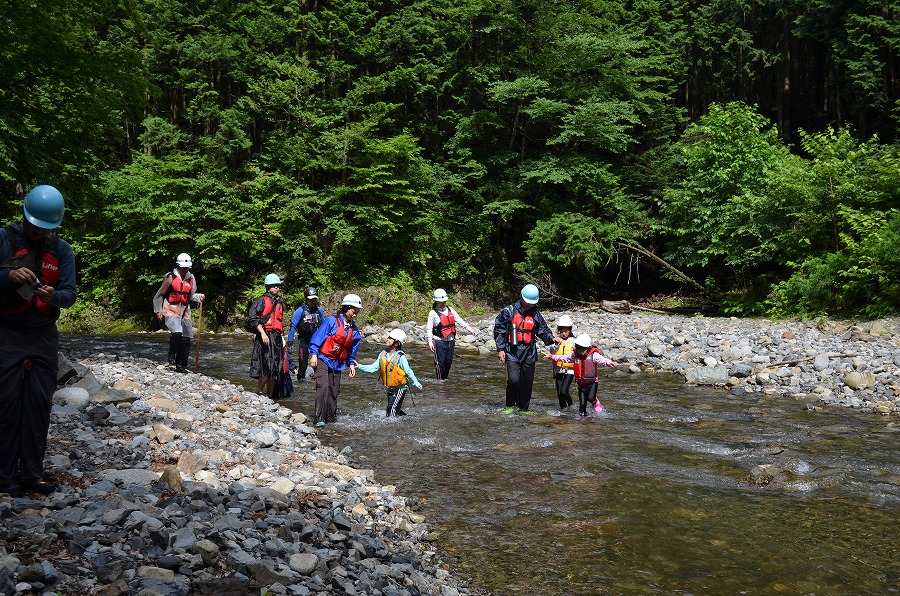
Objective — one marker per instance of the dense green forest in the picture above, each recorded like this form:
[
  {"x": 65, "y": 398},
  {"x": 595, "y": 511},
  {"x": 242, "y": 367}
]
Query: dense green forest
[{"x": 746, "y": 152}]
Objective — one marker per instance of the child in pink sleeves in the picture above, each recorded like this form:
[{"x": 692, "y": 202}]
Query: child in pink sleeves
[{"x": 586, "y": 358}]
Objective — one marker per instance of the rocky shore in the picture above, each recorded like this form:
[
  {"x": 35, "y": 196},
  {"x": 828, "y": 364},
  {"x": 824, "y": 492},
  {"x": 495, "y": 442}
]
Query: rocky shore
[
  {"x": 176, "y": 484},
  {"x": 184, "y": 484}
]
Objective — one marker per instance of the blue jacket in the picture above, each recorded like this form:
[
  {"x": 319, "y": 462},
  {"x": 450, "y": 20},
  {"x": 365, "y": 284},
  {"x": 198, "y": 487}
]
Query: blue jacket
[
  {"x": 520, "y": 353},
  {"x": 326, "y": 330}
]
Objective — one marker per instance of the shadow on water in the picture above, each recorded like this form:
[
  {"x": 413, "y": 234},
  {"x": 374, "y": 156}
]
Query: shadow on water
[{"x": 672, "y": 490}]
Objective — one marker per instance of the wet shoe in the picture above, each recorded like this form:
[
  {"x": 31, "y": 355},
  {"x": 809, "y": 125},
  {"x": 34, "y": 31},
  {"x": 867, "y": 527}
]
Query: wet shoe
[
  {"x": 320, "y": 424},
  {"x": 13, "y": 490},
  {"x": 510, "y": 410},
  {"x": 39, "y": 485},
  {"x": 181, "y": 369},
  {"x": 598, "y": 407},
  {"x": 582, "y": 415},
  {"x": 527, "y": 412}
]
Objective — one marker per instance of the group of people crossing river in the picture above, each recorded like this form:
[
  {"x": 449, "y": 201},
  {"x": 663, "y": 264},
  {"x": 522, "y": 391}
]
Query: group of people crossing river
[{"x": 328, "y": 345}]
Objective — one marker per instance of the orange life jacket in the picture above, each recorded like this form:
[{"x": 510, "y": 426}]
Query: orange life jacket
[
  {"x": 392, "y": 375},
  {"x": 337, "y": 346},
  {"x": 274, "y": 310},
  {"x": 48, "y": 273},
  {"x": 179, "y": 291},
  {"x": 524, "y": 329},
  {"x": 586, "y": 368},
  {"x": 446, "y": 325}
]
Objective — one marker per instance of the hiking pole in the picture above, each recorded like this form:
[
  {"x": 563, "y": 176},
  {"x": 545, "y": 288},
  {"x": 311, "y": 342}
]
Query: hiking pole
[{"x": 199, "y": 330}]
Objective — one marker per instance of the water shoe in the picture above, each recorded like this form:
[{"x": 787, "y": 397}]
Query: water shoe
[
  {"x": 320, "y": 424},
  {"x": 528, "y": 413},
  {"x": 510, "y": 410}
]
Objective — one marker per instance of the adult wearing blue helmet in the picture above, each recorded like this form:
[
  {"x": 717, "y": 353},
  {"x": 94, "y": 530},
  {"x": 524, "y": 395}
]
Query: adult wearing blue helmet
[
  {"x": 266, "y": 316},
  {"x": 516, "y": 330},
  {"x": 37, "y": 279}
]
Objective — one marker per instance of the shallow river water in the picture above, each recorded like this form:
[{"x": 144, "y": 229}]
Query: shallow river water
[{"x": 653, "y": 497}]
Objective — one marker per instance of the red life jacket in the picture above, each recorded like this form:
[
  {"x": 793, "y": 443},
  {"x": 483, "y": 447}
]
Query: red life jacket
[
  {"x": 446, "y": 325},
  {"x": 337, "y": 346},
  {"x": 586, "y": 368},
  {"x": 48, "y": 273},
  {"x": 272, "y": 315},
  {"x": 524, "y": 329},
  {"x": 179, "y": 291}
]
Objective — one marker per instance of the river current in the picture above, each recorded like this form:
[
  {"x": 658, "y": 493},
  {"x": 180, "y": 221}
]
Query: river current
[{"x": 671, "y": 490}]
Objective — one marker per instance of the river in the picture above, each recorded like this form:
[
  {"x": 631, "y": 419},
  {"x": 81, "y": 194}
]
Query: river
[{"x": 653, "y": 497}]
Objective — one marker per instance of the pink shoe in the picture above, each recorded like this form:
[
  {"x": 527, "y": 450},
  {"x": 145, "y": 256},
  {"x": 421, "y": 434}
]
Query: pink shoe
[{"x": 598, "y": 407}]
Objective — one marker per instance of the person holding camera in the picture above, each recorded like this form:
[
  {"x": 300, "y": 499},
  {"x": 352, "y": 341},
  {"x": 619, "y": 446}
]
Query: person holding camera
[
  {"x": 37, "y": 279},
  {"x": 304, "y": 323},
  {"x": 172, "y": 304}
]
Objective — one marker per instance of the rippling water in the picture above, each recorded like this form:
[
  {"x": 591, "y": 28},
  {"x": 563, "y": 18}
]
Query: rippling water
[{"x": 653, "y": 497}]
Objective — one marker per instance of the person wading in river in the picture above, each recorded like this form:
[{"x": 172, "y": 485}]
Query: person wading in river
[
  {"x": 172, "y": 304},
  {"x": 563, "y": 371},
  {"x": 396, "y": 374},
  {"x": 304, "y": 323},
  {"x": 333, "y": 348},
  {"x": 585, "y": 360},
  {"x": 266, "y": 316},
  {"x": 516, "y": 328},
  {"x": 442, "y": 321}
]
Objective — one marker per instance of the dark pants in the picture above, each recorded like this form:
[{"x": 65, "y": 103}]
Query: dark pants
[
  {"x": 587, "y": 394},
  {"x": 563, "y": 382},
  {"x": 395, "y": 400},
  {"x": 328, "y": 387},
  {"x": 28, "y": 370},
  {"x": 302, "y": 361},
  {"x": 519, "y": 381},
  {"x": 443, "y": 357}
]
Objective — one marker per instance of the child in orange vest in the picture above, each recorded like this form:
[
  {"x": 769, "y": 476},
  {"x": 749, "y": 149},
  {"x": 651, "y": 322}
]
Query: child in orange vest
[
  {"x": 395, "y": 372},
  {"x": 585, "y": 359}
]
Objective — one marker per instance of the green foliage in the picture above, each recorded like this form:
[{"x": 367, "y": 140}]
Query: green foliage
[{"x": 415, "y": 144}]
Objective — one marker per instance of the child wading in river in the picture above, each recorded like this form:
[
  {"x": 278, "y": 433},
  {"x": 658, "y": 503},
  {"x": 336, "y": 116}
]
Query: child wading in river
[
  {"x": 563, "y": 372},
  {"x": 396, "y": 375},
  {"x": 585, "y": 359}
]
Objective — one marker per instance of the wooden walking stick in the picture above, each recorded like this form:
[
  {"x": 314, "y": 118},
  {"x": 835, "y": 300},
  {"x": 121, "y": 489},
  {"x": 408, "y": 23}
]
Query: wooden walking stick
[{"x": 199, "y": 328}]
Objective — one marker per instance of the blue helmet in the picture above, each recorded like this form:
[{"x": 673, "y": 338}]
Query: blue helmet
[
  {"x": 272, "y": 279},
  {"x": 530, "y": 294},
  {"x": 44, "y": 206}
]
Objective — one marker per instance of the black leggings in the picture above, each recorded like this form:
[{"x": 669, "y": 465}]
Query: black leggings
[
  {"x": 587, "y": 394},
  {"x": 563, "y": 381}
]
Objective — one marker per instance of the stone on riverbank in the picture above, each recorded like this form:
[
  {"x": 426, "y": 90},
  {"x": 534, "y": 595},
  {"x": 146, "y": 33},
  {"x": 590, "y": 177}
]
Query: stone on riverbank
[{"x": 274, "y": 509}]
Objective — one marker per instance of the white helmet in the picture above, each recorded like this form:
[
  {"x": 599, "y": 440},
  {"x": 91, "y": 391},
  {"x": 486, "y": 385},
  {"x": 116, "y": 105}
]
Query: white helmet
[
  {"x": 440, "y": 295},
  {"x": 183, "y": 260},
  {"x": 351, "y": 300},
  {"x": 398, "y": 334},
  {"x": 564, "y": 321},
  {"x": 583, "y": 341}
]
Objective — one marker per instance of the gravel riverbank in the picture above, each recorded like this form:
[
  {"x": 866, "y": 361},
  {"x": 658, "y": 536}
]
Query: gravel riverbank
[{"x": 185, "y": 484}]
